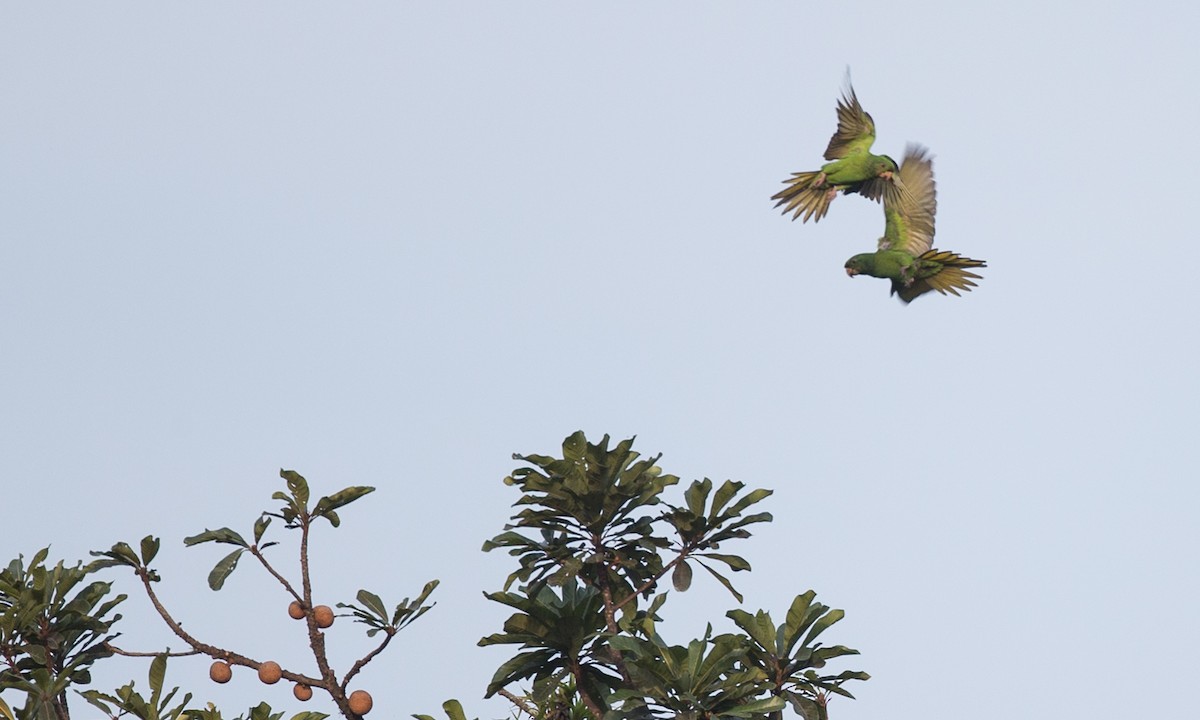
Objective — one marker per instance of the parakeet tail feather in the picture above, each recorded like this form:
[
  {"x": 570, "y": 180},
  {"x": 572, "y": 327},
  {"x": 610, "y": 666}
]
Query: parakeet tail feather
[
  {"x": 800, "y": 197},
  {"x": 951, "y": 277}
]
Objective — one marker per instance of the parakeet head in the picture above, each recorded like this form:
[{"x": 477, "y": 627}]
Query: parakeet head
[
  {"x": 886, "y": 167},
  {"x": 859, "y": 264}
]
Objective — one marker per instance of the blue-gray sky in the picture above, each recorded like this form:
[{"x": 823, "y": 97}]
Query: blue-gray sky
[{"x": 391, "y": 244}]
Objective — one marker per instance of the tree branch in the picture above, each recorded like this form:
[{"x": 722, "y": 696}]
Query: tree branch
[
  {"x": 212, "y": 650},
  {"x": 521, "y": 703},
  {"x": 130, "y": 653},
  {"x": 367, "y": 658},
  {"x": 263, "y": 560}
]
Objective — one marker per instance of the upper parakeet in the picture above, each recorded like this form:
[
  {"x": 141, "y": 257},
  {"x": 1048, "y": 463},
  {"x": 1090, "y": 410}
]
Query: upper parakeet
[
  {"x": 853, "y": 168},
  {"x": 905, "y": 255}
]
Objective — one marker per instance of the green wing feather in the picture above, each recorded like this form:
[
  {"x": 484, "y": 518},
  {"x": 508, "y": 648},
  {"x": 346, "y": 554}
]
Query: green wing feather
[
  {"x": 856, "y": 130},
  {"x": 940, "y": 270},
  {"x": 909, "y": 206}
]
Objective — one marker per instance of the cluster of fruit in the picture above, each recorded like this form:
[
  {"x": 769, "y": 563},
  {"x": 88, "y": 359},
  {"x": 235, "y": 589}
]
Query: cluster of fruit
[{"x": 270, "y": 672}]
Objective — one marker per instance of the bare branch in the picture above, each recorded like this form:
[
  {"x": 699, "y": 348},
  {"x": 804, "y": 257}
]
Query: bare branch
[
  {"x": 521, "y": 703},
  {"x": 358, "y": 666},
  {"x": 254, "y": 550},
  {"x": 130, "y": 653},
  {"x": 212, "y": 650}
]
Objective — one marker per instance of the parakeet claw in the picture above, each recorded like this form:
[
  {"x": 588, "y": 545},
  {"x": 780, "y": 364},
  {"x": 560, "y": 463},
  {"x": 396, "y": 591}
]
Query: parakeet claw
[{"x": 820, "y": 181}]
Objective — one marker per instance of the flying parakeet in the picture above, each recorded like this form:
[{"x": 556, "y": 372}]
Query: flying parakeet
[
  {"x": 905, "y": 255},
  {"x": 853, "y": 169}
]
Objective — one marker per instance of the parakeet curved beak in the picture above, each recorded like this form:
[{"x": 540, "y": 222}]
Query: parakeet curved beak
[{"x": 851, "y": 271}]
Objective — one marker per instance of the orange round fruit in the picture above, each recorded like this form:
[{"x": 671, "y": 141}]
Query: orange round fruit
[
  {"x": 361, "y": 702},
  {"x": 296, "y": 611},
  {"x": 323, "y": 614},
  {"x": 220, "y": 671},
  {"x": 302, "y": 692},
  {"x": 270, "y": 672}
]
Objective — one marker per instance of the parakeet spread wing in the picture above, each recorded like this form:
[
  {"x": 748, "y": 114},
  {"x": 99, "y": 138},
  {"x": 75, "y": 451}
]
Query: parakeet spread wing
[
  {"x": 851, "y": 167},
  {"x": 856, "y": 130},
  {"x": 910, "y": 205}
]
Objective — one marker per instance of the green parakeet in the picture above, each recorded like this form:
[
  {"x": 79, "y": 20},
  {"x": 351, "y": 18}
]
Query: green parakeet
[
  {"x": 905, "y": 255},
  {"x": 853, "y": 169}
]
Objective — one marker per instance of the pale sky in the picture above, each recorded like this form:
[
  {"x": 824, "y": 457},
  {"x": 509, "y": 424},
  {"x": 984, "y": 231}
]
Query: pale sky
[{"x": 391, "y": 244}]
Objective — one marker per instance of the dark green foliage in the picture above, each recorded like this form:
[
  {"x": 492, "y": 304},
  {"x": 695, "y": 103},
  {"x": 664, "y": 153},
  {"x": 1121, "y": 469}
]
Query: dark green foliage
[
  {"x": 374, "y": 615},
  {"x": 129, "y": 701},
  {"x": 594, "y": 537},
  {"x": 705, "y": 679},
  {"x": 789, "y": 658},
  {"x": 591, "y": 510},
  {"x": 453, "y": 708},
  {"x": 295, "y": 510},
  {"x": 261, "y": 711},
  {"x": 559, "y": 636},
  {"x": 53, "y": 627}
]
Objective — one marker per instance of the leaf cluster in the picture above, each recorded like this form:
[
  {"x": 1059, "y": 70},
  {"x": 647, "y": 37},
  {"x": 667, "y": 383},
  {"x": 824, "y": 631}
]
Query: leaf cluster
[
  {"x": 53, "y": 627},
  {"x": 593, "y": 537},
  {"x": 374, "y": 615},
  {"x": 294, "y": 512},
  {"x": 593, "y": 512}
]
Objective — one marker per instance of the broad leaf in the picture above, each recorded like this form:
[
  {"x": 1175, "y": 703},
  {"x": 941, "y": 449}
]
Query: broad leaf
[
  {"x": 216, "y": 578},
  {"x": 220, "y": 535}
]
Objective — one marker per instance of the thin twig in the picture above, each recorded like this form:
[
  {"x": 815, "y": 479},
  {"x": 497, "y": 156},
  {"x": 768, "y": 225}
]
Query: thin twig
[
  {"x": 521, "y": 703},
  {"x": 130, "y": 653},
  {"x": 367, "y": 658},
  {"x": 254, "y": 550}
]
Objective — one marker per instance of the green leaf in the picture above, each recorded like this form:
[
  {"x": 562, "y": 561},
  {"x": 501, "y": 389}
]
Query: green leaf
[
  {"x": 216, "y": 578},
  {"x": 341, "y": 498},
  {"x": 725, "y": 493},
  {"x": 149, "y": 548},
  {"x": 220, "y": 535},
  {"x": 296, "y": 484},
  {"x": 723, "y": 580},
  {"x": 734, "y": 562},
  {"x": 125, "y": 552},
  {"x": 332, "y": 517},
  {"x": 823, "y": 623},
  {"x": 454, "y": 710},
  {"x": 260, "y": 527},
  {"x": 758, "y": 626},
  {"x": 372, "y": 602},
  {"x": 521, "y": 666},
  {"x": 758, "y": 707},
  {"x": 158, "y": 672},
  {"x": 696, "y": 495},
  {"x": 746, "y": 501}
]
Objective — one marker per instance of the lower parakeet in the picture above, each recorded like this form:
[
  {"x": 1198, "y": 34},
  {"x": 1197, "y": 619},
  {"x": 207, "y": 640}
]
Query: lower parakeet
[{"x": 905, "y": 255}]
